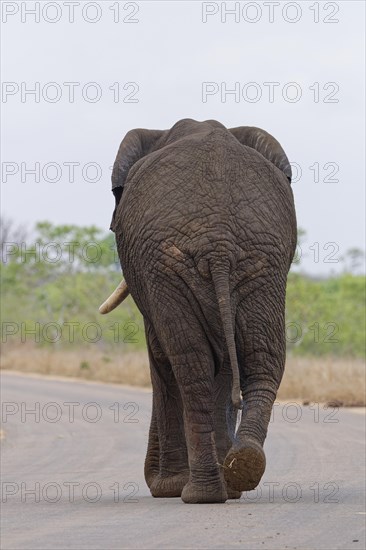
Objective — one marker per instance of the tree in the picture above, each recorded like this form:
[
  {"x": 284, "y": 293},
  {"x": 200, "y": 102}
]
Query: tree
[
  {"x": 11, "y": 237},
  {"x": 353, "y": 260}
]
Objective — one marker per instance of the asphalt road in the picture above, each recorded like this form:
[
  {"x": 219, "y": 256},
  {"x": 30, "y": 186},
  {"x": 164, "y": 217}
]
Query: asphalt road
[{"x": 72, "y": 476}]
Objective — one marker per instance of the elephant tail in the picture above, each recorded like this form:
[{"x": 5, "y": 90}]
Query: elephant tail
[{"x": 221, "y": 284}]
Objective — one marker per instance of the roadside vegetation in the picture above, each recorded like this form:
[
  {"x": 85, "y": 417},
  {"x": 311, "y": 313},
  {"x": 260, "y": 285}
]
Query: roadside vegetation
[{"x": 54, "y": 280}]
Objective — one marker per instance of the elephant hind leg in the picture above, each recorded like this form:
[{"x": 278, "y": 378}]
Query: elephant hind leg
[
  {"x": 188, "y": 404},
  {"x": 195, "y": 375},
  {"x": 261, "y": 350}
]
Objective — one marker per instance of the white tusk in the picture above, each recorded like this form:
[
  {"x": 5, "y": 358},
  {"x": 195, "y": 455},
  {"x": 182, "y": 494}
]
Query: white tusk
[{"x": 115, "y": 298}]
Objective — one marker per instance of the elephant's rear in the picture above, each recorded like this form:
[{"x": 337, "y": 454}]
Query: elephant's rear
[
  {"x": 202, "y": 201},
  {"x": 207, "y": 207}
]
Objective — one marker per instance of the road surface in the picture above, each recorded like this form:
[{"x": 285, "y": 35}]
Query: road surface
[{"x": 72, "y": 476}]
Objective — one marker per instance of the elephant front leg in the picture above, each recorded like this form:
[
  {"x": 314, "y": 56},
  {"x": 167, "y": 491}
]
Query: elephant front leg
[
  {"x": 152, "y": 468},
  {"x": 173, "y": 471},
  {"x": 194, "y": 373},
  {"x": 166, "y": 463}
]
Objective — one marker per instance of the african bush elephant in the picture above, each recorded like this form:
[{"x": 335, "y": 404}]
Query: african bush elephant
[{"x": 206, "y": 231}]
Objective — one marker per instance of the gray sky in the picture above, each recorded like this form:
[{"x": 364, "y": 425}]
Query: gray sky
[{"x": 314, "y": 106}]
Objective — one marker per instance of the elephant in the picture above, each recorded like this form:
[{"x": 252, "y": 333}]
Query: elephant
[{"x": 205, "y": 227}]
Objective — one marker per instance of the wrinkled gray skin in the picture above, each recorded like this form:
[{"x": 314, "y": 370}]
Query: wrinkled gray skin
[{"x": 206, "y": 233}]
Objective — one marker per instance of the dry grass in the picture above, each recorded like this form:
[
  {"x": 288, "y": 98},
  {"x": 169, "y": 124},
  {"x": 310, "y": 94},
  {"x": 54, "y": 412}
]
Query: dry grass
[
  {"x": 326, "y": 379},
  {"x": 124, "y": 368},
  {"x": 308, "y": 379}
]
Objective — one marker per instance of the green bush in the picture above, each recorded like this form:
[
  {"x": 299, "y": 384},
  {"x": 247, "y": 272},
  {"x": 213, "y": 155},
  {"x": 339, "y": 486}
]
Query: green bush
[
  {"x": 326, "y": 317},
  {"x": 55, "y": 303}
]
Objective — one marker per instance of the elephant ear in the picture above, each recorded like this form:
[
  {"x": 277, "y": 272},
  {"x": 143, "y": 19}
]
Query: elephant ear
[
  {"x": 265, "y": 144},
  {"x": 135, "y": 145}
]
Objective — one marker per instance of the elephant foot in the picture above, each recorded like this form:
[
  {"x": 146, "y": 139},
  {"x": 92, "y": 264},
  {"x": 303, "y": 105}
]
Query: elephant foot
[
  {"x": 168, "y": 486},
  {"x": 150, "y": 477},
  {"x": 198, "y": 493},
  {"x": 232, "y": 494},
  {"x": 244, "y": 466}
]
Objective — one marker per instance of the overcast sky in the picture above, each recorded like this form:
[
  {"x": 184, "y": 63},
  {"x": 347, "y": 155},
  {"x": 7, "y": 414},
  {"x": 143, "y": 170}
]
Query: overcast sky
[{"x": 295, "y": 69}]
